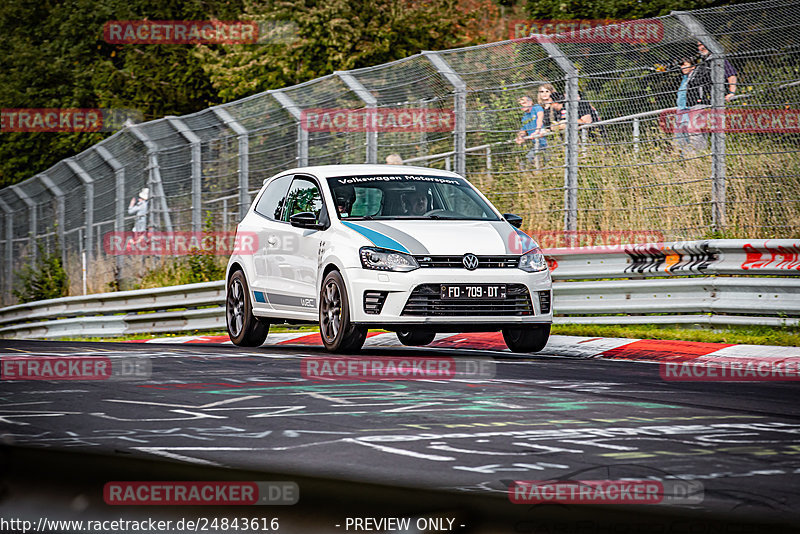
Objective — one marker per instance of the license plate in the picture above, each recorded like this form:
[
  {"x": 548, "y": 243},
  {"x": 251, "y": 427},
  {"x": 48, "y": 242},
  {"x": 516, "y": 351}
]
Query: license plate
[{"x": 472, "y": 291}]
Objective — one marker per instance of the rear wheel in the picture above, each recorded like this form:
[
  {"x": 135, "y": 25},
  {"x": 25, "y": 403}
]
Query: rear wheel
[
  {"x": 527, "y": 338},
  {"x": 415, "y": 338},
  {"x": 338, "y": 333},
  {"x": 244, "y": 329}
]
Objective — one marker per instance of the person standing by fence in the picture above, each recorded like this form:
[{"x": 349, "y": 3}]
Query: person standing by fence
[
  {"x": 138, "y": 208},
  {"x": 532, "y": 122}
]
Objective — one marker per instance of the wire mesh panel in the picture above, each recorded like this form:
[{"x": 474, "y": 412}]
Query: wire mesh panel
[{"x": 687, "y": 125}]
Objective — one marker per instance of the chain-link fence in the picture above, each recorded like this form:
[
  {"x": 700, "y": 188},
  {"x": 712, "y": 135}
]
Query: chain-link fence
[{"x": 624, "y": 150}]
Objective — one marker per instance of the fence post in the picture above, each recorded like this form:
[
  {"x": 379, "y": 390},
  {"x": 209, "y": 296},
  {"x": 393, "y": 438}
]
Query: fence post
[
  {"x": 460, "y": 87},
  {"x": 32, "y": 208},
  {"x": 302, "y": 133},
  {"x": 119, "y": 194},
  {"x": 718, "y": 83},
  {"x": 571, "y": 146},
  {"x": 154, "y": 178},
  {"x": 197, "y": 170},
  {"x": 88, "y": 184},
  {"x": 244, "y": 157},
  {"x": 9, "y": 249},
  {"x": 371, "y": 103},
  {"x": 59, "y": 195}
]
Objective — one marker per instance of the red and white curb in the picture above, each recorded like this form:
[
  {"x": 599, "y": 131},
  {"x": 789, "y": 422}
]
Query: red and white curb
[{"x": 646, "y": 350}]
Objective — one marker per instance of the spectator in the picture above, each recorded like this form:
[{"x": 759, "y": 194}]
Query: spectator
[
  {"x": 394, "y": 159},
  {"x": 138, "y": 207},
  {"x": 682, "y": 104},
  {"x": 586, "y": 112},
  {"x": 415, "y": 203},
  {"x": 730, "y": 71},
  {"x": 532, "y": 122},
  {"x": 544, "y": 97}
]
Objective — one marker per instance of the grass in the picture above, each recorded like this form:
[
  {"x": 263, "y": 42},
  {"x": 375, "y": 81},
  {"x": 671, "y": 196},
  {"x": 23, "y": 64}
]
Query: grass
[{"x": 751, "y": 335}]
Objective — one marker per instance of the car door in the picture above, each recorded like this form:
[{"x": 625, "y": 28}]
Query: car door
[
  {"x": 268, "y": 209},
  {"x": 292, "y": 256}
]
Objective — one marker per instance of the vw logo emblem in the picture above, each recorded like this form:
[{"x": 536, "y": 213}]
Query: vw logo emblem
[{"x": 470, "y": 262}]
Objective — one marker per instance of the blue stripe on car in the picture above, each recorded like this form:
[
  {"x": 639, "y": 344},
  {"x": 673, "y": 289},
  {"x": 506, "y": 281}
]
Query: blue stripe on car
[
  {"x": 377, "y": 238},
  {"x": 259, "y": 296},
  {"x": 528, "y": 243}
]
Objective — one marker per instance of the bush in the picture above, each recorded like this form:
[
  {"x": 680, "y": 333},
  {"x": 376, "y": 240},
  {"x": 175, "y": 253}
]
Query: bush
[{"x": 46, "y": 280}]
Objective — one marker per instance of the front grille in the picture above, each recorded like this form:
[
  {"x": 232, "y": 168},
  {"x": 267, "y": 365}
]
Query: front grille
[
  {"x": 425, "y": 301},
  {"x": 373, "y": 301},
  {"x": 544, "y": 301},
  {"x": 456, "y": 262}
]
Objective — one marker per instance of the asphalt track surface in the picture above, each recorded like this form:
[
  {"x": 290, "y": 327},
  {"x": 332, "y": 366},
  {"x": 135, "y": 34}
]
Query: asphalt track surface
[{"x": 541, "y": 417}]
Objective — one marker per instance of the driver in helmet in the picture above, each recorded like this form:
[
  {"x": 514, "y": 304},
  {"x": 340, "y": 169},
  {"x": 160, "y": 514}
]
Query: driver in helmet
[{"x": 345, "y": 196}]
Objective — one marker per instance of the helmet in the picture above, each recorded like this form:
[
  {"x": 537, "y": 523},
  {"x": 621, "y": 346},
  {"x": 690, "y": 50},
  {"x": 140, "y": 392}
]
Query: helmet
[{"x": 345, "y": 196}]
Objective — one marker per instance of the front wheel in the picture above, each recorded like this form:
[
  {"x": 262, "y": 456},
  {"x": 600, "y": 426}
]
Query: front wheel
[
  {"x": 244, "y": 329},
  {"x": 527, "y": 338},
  {"x": 415, "y": 338},
  {"x": 337, "y": 332}
]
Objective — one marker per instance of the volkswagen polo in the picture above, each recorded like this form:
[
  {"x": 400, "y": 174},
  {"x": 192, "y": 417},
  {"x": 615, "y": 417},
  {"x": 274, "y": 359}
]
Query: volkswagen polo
[{"x": 408, "y": 249}]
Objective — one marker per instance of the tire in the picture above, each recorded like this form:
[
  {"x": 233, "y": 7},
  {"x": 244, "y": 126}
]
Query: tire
[
  {"x": 244, "y": 329},
  {"x": 415, "y": 338},
  {"x": 337, "y": 332},
  {"x": 527, "y": 338}
]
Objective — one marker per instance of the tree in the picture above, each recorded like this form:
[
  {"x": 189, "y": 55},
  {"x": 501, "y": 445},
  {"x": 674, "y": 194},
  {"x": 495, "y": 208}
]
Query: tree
[{"x": 313, "y": 38}]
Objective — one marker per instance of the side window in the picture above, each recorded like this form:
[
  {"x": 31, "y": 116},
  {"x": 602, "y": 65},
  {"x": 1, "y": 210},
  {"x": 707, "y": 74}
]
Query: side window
[
  {"x": 271, "y": 202},
  {"x": 304, "y": 195}
]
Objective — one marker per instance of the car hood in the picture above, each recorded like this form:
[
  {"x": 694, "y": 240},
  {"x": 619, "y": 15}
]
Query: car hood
[{"x": 443, "y": 237}]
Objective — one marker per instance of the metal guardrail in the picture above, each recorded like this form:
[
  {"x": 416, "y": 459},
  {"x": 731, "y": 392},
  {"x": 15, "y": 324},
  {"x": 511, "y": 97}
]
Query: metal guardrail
[{"x": 712, "y": 282}]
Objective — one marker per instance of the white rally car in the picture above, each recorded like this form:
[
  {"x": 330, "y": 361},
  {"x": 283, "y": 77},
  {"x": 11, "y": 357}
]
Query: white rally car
[{"x": 408, "y": 249}]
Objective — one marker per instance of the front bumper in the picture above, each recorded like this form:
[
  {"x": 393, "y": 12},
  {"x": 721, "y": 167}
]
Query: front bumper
[{"x": 398, "y": 287}]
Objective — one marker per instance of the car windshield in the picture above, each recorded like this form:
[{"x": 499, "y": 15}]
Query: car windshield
[{"x": 408, "y": 197}]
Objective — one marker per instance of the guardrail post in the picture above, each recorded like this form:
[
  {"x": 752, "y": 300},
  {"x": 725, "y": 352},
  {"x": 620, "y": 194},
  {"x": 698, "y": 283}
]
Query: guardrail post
[
  {"x": 32, "y": 208},
  {"x": 718, "y": 83},
  {"x": 9, "y": 248},
  {"x": 119, "y": 194},
  {"x": 302, "y": 133},
  {"x": 571, "y": 147},
  {"x": 154, "y": 177},
  {"x": 59, "y": 195},
  {"x": 460, "y": 88},
  {"x": 371, "y": 103},
  {"x": 88, "y": 184},
  {"x": 244, "y": 157},
  {"x": 197, "y": 170}
]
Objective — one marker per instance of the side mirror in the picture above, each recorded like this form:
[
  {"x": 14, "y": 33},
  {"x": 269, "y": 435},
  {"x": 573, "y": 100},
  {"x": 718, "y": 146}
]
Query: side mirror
[
  {"x": 305, "y": 219},
  {"x": 513, "y": 220}
]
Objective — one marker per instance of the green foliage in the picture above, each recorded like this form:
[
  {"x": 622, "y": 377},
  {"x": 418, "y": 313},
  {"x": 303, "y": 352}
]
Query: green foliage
[
  {"x": 52, "y": 55},
  {"x": 317, "y": 38},
  {"x": 616, "y": 9},
  {"x": 47, "y": 279}
]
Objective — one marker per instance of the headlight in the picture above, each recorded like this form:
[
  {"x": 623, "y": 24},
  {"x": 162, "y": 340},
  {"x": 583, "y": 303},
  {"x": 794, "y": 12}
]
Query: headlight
[
  {"x": 387, "y": 260},
  {"x": 532, "y": 261}
]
